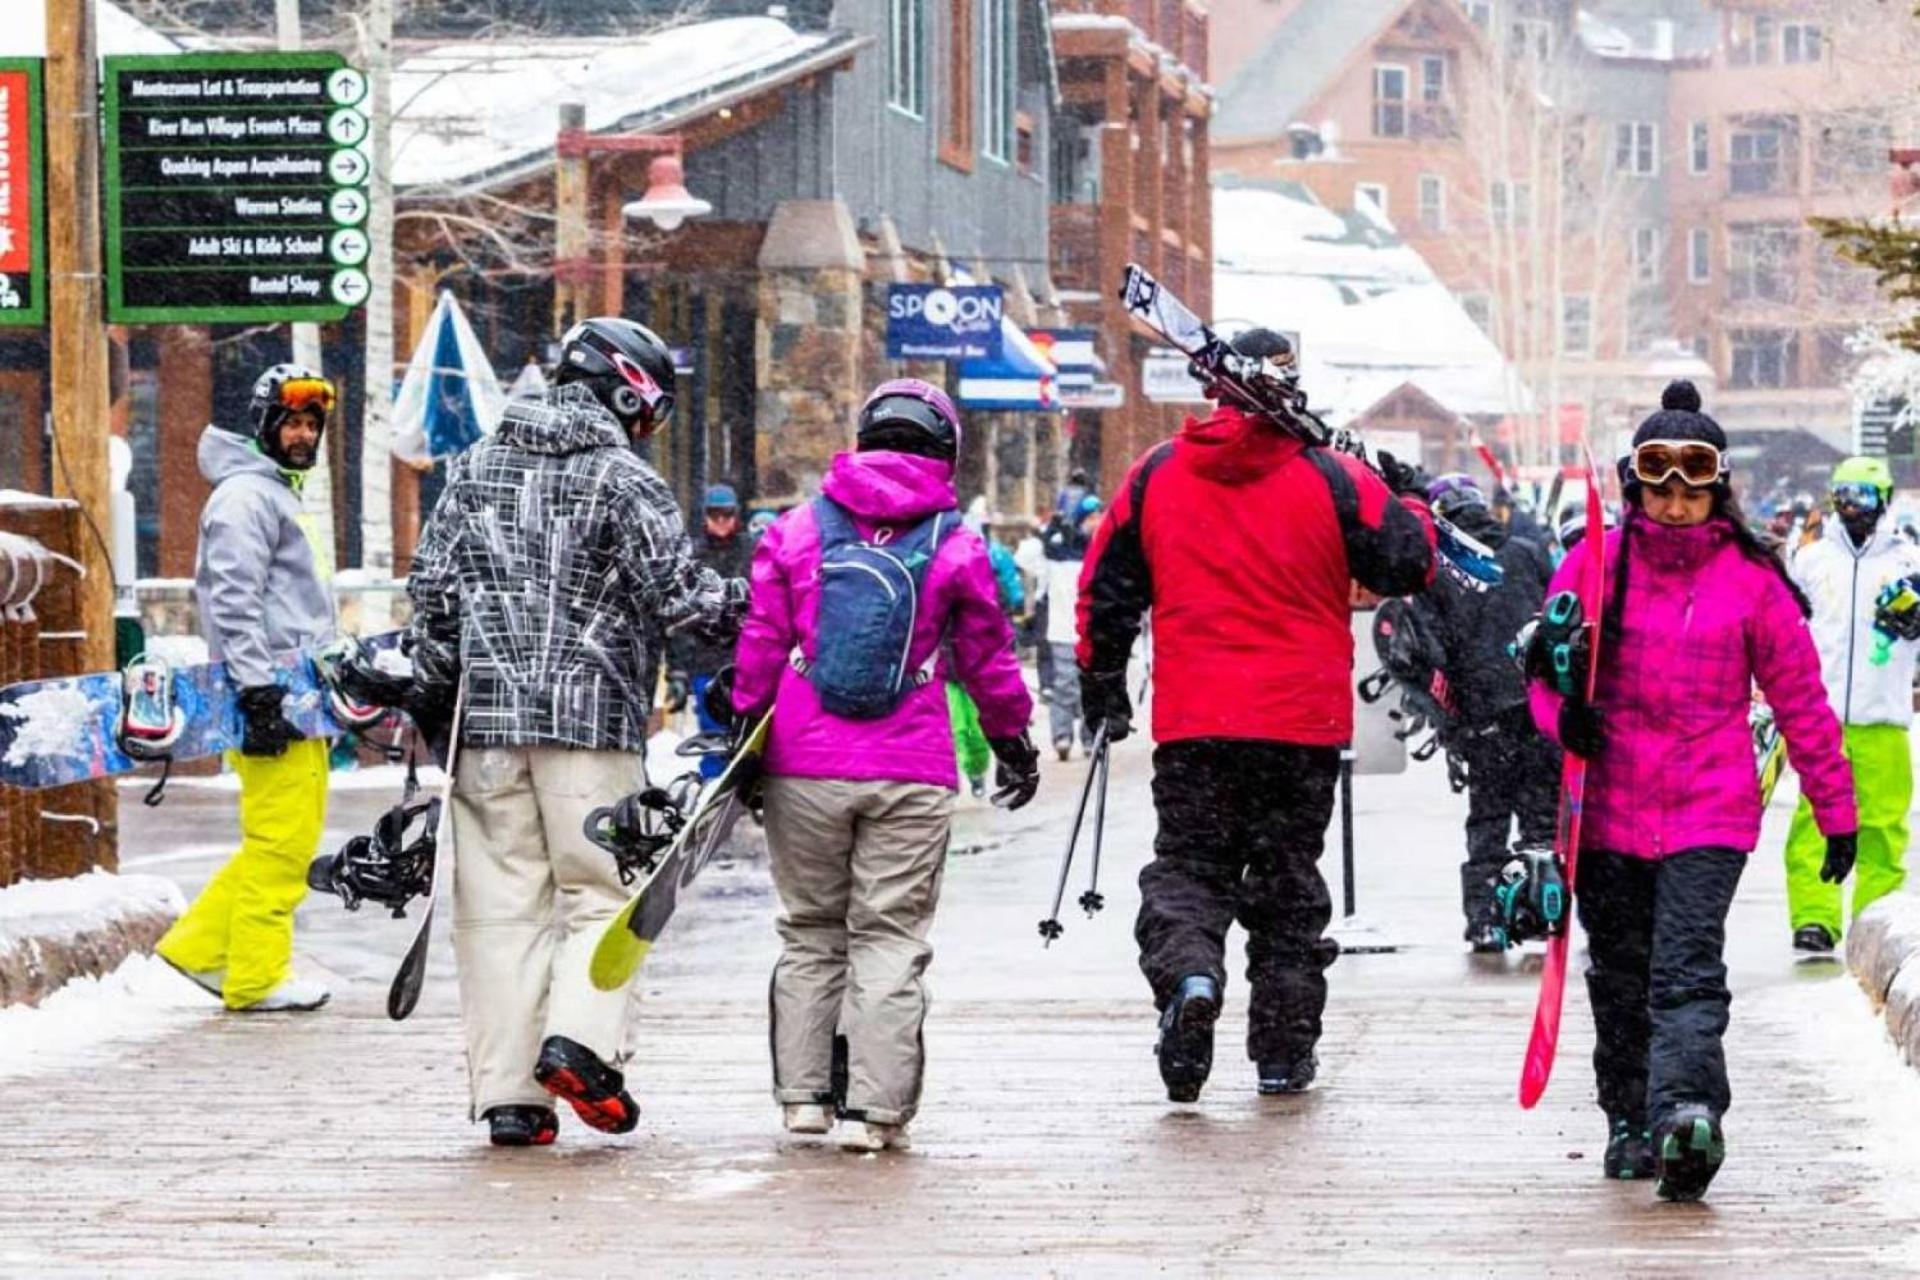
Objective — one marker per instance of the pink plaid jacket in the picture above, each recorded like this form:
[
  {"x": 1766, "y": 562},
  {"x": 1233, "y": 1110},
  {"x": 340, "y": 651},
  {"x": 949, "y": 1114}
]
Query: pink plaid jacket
[{"x": 1702, "y": 624}]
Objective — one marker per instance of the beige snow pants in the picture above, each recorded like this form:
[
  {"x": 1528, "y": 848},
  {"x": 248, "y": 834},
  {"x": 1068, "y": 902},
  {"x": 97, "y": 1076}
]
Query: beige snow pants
[
  {"x": 858, "y": 867},
  {"x": 518, "y": 854}
]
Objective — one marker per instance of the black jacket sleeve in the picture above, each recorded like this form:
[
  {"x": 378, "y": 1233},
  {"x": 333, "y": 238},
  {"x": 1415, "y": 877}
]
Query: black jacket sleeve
[
  {"x": 1389, "y": 540},
  {"x": 1116, "y": 584}
]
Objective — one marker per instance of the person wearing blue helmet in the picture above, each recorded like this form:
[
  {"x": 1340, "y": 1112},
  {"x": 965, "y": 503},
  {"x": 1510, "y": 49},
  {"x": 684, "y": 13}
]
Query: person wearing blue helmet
[{"x": 693, "y": 658}]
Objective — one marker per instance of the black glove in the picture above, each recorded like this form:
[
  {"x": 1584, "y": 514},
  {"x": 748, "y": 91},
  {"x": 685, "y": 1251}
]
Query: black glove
[
  {"x": 1583, "y": 730},
  {"x": 1018, "y": 773},
  {"x": 265, "y": 732},
  {"x": 1402, "y": 477},
  {"x": 677, "y": 692},
  {"x": 1104, "y": 700},
  {"x": 1841, "y": 851}
]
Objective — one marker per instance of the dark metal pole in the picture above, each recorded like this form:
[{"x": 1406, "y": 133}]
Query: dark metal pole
[{"x": 1346, "y": 831}]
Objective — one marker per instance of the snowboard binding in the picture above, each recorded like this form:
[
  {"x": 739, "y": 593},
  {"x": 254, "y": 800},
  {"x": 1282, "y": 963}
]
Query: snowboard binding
[
  {"x": 150, "y": 720},
  {"x": 1896, "y": 616},
  {"x": 1531, "y": 898},
  {"x": 1557, "y": 647},
  {"x": 385, "y": 867},
  {"x": 359, "y": 691},
  {"x": 637, "y": 829}
]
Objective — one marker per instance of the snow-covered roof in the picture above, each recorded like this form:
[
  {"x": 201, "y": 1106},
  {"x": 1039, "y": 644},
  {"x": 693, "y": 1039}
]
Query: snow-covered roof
[
  {"x": 1676, "y": 31},
  {"x": 24, "y": 34},
  {"x": 467, "y": 111},
  {"x": 1370, "y": 312}
]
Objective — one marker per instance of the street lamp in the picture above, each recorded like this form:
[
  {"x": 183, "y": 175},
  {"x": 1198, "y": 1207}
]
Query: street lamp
[{"x": 667, "y": 203}]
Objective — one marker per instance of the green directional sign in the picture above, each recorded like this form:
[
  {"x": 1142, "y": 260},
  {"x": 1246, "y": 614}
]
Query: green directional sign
[{"x": 235, "y": 188}]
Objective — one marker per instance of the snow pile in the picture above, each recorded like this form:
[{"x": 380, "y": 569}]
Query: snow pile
[
  {"x": 179, "y": 652},
  {"x": 52, "y": 721},
  {"x": 1371, "y": 315},
  {"x": 33, "y": 911},
  {"x": 141, "y": 998}
]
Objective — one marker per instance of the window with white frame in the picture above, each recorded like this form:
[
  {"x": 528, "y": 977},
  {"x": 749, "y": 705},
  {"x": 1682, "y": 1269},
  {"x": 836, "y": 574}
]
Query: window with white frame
[
  {"x": 1636, "y": 149},
  {"x": 1389, "y": 101},
  {"x": 1700, "y": 154},
  {"x": 1510, "y": 204},
  {"x": 1763, "y": 358},
  {"x": 1433, "y": 79},
  {"x": 1433, "y": 202},
  {"x": 999, "y": 62},
  {"x": 1373, "y": 193},
  {"x": 1530, "y": 40},
  {"x": 1763, "y": 262},
  {"x": 906, "y": 55},
  {"x": 1576, "y": 324},
  {"x": 1645, "y": 255},
  {"x": 1700, "y": 255},
  {"x": 1801, "y": 42},
  {"x": 1480, "y": 12},
  {"x": 1763, "y": 156}
]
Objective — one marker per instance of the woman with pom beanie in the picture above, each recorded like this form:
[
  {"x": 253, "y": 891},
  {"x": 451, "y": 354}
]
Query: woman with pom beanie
[{"x": 1697, "y": 612}]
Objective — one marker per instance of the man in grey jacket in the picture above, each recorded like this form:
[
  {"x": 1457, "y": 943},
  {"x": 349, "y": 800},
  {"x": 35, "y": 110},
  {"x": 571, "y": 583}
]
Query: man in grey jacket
[
  {"x": 546, "y": 581},
  {"x": 260, "y": 596}
]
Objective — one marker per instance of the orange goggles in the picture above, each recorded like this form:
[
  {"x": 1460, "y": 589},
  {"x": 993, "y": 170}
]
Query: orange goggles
[
  {"x": 307, "y": 393},
  {"x": 1697, "y": 464}
]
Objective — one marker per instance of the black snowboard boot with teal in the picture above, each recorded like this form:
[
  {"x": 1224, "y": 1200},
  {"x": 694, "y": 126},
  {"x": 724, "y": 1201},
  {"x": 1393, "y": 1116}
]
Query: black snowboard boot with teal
[
  {"x": 1688, "y": 1148},
  {"x": 1629, "y": 1149}
]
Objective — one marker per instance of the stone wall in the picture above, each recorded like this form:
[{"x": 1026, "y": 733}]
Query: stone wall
[{"x": 807, "y": 346}]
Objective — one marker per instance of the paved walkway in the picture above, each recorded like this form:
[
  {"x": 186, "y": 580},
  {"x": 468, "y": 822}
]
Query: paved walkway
[{"x": 338, "y": 1143}]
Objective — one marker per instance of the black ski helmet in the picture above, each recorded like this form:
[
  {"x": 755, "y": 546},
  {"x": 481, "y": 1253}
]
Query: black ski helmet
[
  {"x": 907, "y": 415},
  {"x": 279, "y": 391},
  {"x": 1275, "y": 365},
  {"x": 626, "y": 366}
]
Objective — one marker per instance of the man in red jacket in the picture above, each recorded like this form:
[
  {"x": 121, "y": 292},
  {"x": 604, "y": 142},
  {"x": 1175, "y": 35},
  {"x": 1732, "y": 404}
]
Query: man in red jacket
[{"x": 1242, "y": 540}]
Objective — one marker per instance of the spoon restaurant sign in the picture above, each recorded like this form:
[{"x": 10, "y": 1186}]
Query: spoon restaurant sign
[
  {"x": 236, "y": 188},
  {"x": 23, "y": 270}
]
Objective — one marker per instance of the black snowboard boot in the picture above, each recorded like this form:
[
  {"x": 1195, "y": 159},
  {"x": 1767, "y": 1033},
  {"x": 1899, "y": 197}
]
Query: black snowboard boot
[
  {"x": 1688, "y": 1149},
  {"x": 597, "y": 1092},
  {"x": 522, "y": 1126},
  {"x": 1814, "y": 938},
  {"x": 1629, "y": 1149},
  {"x": 1295, "y": 1076},
  {"x": 1486, "y": 939},
  {"x": 1186, "y": 1037}
]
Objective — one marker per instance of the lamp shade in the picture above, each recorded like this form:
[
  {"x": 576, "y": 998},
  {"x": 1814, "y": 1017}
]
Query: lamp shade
[{"x": 667, "y": 203}]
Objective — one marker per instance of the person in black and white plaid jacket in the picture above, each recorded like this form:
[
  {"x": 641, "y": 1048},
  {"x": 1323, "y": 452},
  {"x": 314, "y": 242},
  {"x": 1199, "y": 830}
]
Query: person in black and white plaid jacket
[{"x": 547, "y": 579}]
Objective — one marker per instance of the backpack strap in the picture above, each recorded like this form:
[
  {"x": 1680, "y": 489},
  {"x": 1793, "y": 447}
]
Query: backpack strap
[
  {"x": 944, "y": 525},
  {"x": 835, "y": 525}
]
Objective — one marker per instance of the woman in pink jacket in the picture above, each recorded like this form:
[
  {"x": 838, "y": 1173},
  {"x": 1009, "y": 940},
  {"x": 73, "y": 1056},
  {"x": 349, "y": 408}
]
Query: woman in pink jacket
[
  {"x": 859, "y": 806},
  {"x": 1697, "y": 613}
]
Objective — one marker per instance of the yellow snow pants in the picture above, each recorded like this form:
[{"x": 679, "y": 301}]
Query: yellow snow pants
[
  {"x": 1882, "y": 761},
  {"x": 243, "y": 920}
]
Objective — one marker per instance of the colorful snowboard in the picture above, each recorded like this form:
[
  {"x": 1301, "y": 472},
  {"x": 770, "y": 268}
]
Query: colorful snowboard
[
  {"x": 631, "y": 934},
  {"x": 55, "y": 732},
  {"x": 1769, "y": 751},
  {"x": 1592, "y": 589}
]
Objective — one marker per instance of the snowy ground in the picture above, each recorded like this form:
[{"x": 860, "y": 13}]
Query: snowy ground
[{"x": 205, "y": 1144}]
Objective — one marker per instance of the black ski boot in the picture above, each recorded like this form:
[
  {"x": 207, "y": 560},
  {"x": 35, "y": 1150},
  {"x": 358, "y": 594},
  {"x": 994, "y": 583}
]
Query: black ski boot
[
  {"x": 1186, "y": 1037},
  {"x": 1629, "y": 1149},
  {"x": 597, "y": 1092},
  {"x": 1486, "y": 939},
  {"x": 522, "y": 1126},
  {"x": 1295, "y": 1076},
  {"x": 1814, "y": 938},
  {"x": 1688, "y": 1149}
]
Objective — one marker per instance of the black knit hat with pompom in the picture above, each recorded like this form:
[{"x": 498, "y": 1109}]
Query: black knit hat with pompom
[{"x": 1680, "y": 418}]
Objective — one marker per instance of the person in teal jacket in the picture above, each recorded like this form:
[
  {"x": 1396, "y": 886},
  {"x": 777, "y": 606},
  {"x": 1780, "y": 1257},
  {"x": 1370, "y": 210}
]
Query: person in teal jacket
[{"x": 970, "y": 746}]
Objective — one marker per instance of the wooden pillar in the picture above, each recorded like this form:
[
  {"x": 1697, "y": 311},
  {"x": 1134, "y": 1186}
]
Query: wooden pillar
[
  {"x": 186, "y": 406},
  {"x": 570, "y": 230}
]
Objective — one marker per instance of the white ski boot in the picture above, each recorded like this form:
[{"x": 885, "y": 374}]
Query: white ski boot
[
  {"x": 806, "y": 1117},
  {"x": 295, "y": 995},
  {"x": 865, "y": 1135}
]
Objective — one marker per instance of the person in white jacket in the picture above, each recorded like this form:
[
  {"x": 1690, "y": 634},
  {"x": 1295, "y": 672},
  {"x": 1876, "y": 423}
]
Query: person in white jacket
[{"x": 1869, "y": 678}]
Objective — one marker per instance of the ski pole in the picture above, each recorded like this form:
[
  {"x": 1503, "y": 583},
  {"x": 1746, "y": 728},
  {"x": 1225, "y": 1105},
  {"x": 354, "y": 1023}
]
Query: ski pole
[
  {"x": 1051, "y": 928},
  {"x": 1092, "y": 901}
]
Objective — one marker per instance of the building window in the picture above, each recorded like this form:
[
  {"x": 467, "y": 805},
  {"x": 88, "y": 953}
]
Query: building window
[
  {"x": 1511, "y": 204},
  {"x": 1530, "y": 39},
  {"x": 1801, "y": 42},
  {"x": 1365, "y": 193},
  {"x": 1851, "y": 152},
  {"x": 1763, "y": 156},
  {"x": 1700, "y": 158},
  {"x": 1481, "y": 13},
  {"x": 1433, "y": 79},
  {"x": 998, "y": 56},
  {"x": 1834, "y": 359},
  {"x": 1763, "y": 262},
  {"x": 1763, "y": 359},
  {"x": 1075, "y": 172},
  {"x": 1479, "y": 309},
  {"x": 1841, "y": 282},
  {"x": 1646, "y": 255},
  {"x": 906, "y": 63},
  {"x": 1636, "y": 149},
  {"x": 956, "y": 143},
  {"x": 1433, "y": 203},
  {"x": 1389, "y": 102},
  {"x": 1576, "y": 325},
  {"x": 1700, "y": 256}
]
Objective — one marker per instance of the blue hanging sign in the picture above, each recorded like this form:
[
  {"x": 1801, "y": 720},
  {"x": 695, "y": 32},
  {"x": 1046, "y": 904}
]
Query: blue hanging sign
[{"x": 944, "y": 322}]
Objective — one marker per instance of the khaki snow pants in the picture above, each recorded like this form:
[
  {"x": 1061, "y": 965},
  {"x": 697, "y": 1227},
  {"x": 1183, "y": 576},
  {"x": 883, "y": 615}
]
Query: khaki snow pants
[
  {"x": 518, "y": 855},
  {"x": 858, "y": 868}
]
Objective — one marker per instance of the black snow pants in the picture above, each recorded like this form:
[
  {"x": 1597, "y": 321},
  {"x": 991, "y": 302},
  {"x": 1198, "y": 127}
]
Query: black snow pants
[
  {"x": 1513, "y": 776},
  {"x": 1656, "y": 933},
  {"x": 1241, "y": 827}
]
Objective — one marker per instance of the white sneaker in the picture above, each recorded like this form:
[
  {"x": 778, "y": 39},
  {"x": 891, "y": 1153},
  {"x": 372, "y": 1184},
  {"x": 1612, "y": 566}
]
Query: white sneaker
[
  {"x": 295, "y": 995},
  {"x": 806, "y": 1117},
  {"x": 865, "y": 1135},
  {"x": 208, "y": 980}
]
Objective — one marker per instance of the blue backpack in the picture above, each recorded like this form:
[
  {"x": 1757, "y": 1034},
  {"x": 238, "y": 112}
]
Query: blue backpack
[{"x": 869, "y": 601}]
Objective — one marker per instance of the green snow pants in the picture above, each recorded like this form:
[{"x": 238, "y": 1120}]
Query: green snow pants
[
  {"x": 1882, "y": 761},
  {"x": 969, "y": 741}
]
